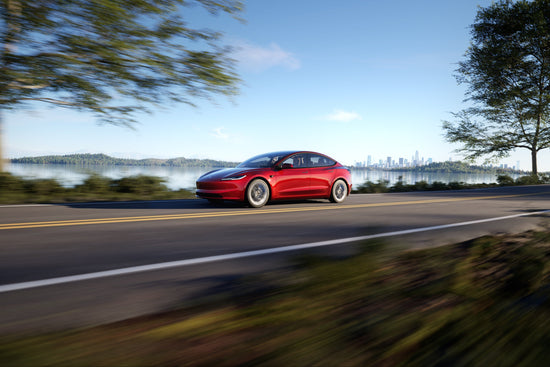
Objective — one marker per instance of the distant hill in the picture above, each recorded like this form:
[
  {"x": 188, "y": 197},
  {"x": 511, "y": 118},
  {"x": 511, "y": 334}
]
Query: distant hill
[{"x": 105, "y": 160}]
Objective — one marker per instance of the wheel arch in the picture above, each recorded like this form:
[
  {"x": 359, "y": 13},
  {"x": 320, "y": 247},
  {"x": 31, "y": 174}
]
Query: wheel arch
[
  {"x": 348, "y": 184},
  {"x": 263, "y": 179}
]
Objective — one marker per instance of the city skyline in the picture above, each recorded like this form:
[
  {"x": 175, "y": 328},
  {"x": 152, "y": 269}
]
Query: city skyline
[{"x": 417, "y": 160}]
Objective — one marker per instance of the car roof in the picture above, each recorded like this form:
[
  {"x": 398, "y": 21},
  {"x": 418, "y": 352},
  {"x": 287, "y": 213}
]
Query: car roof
[{"x": 289, "y": 152}]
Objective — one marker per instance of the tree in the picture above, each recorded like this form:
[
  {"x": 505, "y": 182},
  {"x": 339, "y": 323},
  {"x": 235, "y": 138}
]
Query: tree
[
  {"x": 110, "y": 57},
  {"x": 507, "y": 70}
]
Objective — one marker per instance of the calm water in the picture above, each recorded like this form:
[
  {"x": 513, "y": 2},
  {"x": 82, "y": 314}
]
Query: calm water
[{"x": 177, "y": 177}]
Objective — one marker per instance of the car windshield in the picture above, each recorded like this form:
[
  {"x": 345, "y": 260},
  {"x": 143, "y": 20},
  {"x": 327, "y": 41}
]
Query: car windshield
[{"x": 262, "y": 161}]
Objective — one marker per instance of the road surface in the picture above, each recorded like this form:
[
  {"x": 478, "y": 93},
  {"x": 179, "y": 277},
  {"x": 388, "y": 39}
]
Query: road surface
[{"x": 83, "y": 264}]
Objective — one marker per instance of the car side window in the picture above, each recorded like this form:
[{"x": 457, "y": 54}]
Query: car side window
[
  {"x": 296, "y": 161},
  {"x": 320, "y": 161}
]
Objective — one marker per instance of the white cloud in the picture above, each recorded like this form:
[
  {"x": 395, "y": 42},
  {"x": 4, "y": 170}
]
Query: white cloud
[
  {"x": 343, "y": 116},
  {"x": 219, "y": 134},
  {"x": 257, "y": 58}
]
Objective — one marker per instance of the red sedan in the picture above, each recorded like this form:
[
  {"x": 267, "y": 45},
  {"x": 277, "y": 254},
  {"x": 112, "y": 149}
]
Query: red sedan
[{"x": 278, "y": 176}]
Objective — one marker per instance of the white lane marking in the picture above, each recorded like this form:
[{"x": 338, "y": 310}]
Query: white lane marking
[{"x": 239, "y": 255}]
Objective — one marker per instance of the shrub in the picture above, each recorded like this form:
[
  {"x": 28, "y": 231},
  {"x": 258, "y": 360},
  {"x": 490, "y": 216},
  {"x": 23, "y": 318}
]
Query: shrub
[
  {"x": 399, "y": 186},
  {"x": 505, "y": 180},
  {"x": 43, "y": 187},
  {"x": 143, "y": 185},
  {"x": 421, "y": 186},
  {"x": 10, "y": 183},
  {"x": 438, "y": 186},
  {"x": 457, "y": 185},
  {"x": 528, "y": 180},
  {"x": 95, "y": 184},
  {"x": 370, "y": 187}
]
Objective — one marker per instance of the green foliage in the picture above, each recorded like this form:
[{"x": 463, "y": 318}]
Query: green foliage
[
  {"x": 369, "y": 187},
  {"x": 105, "y": 160},
  {"x": 43, "y": 187},
  {"x": 505, "y": 180},
  {"x": 528, "y": 180},
  {"x": 500, "y": 269},
  {"x": 9, "y": 182},
  {"x": 484, "y": 302},
  {"x": 508, "y": 81},
  {"x": 14, "y": 189},
  {"x": 382, "y": 186},
  {"x": 142, "y": 185},
  {"x": 99, "y": 56},
  {"x": 95, "y": 183}
]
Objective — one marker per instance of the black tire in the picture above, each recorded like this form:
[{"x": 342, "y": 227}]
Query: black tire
[
  {"x": 257, "y": 193},
  {"x": 339, "y": 191}
]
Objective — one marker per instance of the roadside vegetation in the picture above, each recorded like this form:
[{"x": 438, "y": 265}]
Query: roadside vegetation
[
  {"x": 382, "y": 186},
  {"x": 485, "y": 302},
  {"x": 17, "y": 190}
]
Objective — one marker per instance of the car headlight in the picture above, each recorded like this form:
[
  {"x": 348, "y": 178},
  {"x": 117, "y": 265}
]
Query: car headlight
[{"x": 234, "y": 178}]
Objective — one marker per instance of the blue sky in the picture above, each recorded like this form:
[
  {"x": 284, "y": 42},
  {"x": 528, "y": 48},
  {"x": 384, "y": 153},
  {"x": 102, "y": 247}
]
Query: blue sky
[{"x": 347, "y": 78}]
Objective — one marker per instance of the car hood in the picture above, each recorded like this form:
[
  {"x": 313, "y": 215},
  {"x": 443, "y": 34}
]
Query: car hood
[{"x": 225, "y": 172}]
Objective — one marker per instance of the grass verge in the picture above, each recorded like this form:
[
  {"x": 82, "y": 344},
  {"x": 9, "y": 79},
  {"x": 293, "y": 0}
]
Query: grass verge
[{"x": 485, "y": 302}]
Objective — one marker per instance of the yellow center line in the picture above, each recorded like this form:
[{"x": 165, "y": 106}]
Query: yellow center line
[{"x": 78, "y": 222}]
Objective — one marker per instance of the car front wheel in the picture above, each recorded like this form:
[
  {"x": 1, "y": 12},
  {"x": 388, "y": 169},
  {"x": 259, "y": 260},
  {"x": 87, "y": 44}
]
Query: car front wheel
[
  {"x": 257, "y": 193},
  {"x": 339, "y": 191}
]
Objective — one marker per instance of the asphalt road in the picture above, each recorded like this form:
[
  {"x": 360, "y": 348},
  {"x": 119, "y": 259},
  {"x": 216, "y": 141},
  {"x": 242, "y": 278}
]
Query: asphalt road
[{"x": 39, "y": 243}]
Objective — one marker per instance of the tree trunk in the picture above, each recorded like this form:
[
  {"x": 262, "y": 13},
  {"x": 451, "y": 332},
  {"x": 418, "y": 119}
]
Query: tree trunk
[
  {"x": 534, "y": 170},
  {"x": 2, "y": 165}
]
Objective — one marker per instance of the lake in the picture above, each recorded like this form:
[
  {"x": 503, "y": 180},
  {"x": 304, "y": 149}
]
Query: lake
[{"x": 180, "y": 177}]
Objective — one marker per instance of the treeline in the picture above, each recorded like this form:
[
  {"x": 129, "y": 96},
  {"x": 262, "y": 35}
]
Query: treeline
[
  {"x": 105, "y": 160},
  {"x": 455, "y": 167}
]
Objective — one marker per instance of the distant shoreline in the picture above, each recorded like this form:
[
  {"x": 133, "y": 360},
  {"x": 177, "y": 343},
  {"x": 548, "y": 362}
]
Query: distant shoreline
[
  {"x": 105, "y": 160},
  {"x": 448, "y": 167}
]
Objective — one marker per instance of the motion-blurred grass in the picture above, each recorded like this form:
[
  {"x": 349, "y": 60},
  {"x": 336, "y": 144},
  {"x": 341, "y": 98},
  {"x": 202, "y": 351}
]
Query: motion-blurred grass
[
  {"x": 17, "y": 190},
  {"x": 485, "y": 302}
]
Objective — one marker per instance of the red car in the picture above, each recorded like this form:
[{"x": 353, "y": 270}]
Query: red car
[{"x": 278, "y": 176}]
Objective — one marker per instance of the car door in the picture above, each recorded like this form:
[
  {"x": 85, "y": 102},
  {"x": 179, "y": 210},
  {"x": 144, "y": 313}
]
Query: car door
[
  {"x": 321, "y": 174},
  {"x": 293, "y": 177}
]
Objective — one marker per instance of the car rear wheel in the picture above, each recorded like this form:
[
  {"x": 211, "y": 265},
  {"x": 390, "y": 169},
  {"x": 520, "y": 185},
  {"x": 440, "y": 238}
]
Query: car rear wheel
[
  {"x": 257, "y": 193},
  {"x": 339, "y": 191}
]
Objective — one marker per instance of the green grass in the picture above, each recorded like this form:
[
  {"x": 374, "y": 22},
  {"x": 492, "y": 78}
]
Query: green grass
[{"x": 485, "y": 302}]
